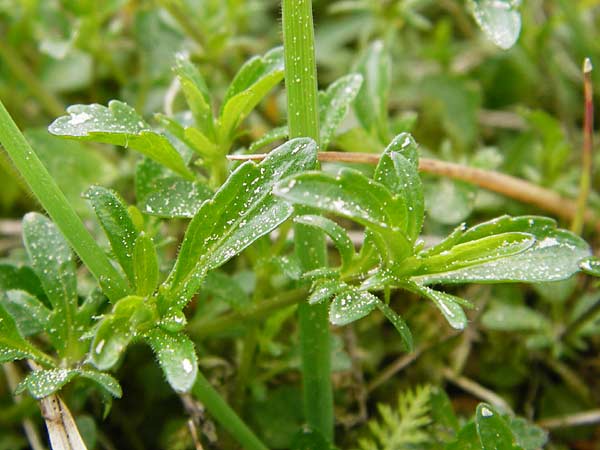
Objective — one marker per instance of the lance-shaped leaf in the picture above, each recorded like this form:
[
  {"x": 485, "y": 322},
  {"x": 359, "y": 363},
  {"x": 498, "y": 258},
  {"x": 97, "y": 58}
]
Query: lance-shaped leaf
[
  {"x": 117, "y": 224},
  {"x": 445, "y": 244},
  {"x": 42, "y": 383},
  {"x": 323, "y": 290},
  {"x": 334, "y": 104},
  {"x": 555, "y": 255},
  {"x": 351, "y": 305},
  {"x": 242, "y": 211},
  {"x": 196, "y": 94},
  {"x": 449, "y": 305},
  {"x": 499, "y": 19},
  {"x": 477, "y": 252},
  {"x": 174, "y": 197},
  {"x": 53, "y": 263},
  {"x": 508, "y": 224},
  {"x": 119, "y": 124},
  {"x": 337, "y": 234},
  {"x": 399, "y": 324},
  {"x": 398, "y": 170},
  {"x": 145, "y": 266},
  {"x": 254, "y": 80},
  {"x": 372, "y": 100},
  {"x": 273, "y": 135},
  {"x": 177, "y": 357},
  {"x": 30, "y": 314},
  {"x": 13, "y": 346}
]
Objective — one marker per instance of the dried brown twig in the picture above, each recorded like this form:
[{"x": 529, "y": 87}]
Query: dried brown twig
[{"x": 507, "y": 185}]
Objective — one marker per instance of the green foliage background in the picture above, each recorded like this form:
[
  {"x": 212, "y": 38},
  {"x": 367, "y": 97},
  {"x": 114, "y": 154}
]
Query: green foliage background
[{"x": 518, "y": 111}]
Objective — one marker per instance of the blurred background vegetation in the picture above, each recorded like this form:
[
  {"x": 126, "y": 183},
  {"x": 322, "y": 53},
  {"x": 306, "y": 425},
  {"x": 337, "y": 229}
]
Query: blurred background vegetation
[{"x": 518, "y": 111}]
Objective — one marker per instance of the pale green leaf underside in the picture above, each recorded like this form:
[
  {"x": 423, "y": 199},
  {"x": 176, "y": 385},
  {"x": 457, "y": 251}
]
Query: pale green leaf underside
[{"x": 555, "y": 255}]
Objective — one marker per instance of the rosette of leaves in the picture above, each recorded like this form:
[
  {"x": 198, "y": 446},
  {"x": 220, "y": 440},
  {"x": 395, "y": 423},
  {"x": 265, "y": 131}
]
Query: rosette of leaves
[
  {"x": 390, "y": 206},
  {"x": 240, "y": 212},
  {"x": 42, "y": 318}
]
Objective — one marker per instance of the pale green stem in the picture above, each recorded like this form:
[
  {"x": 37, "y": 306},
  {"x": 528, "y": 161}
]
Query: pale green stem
[
  {"x": 303, "y": 121},
  {"x": 62, "y": 213}
]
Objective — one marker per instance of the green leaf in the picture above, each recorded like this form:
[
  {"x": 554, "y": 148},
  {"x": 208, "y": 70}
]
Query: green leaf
[
  {"x": 254, "y": 80},
  {"x": 398, "y": 170},
  {"x": 91, "y": 307},
  {"x": 119, "y": 124},
  {"x": 493, "y": 431},
  {"x": 351, "y": 305},
  {"x": 323, "y": 290},
  {"x": 241, "y": 211},
  {"x": 12, "y": 344},
  {"x": 506, "y": 317},
  {"x": 254, "y": 71},
  {"x": 177, "y": 357},
  {"x": 447, "y": 243},
  {"x": 349, "y": 194},
  {"x": 535, "y": 225},
  {"x": 467, "y": 439},
  {"x": 196, "y": 93},
  {"x": 307, "y": 439},
  {"x": 398, "y": 323},
  {"x": 30, "y": 314},
  {"x": 476, "y": 252},
  {"x": 224, "y": 288},
  {"x": 42, "y": 383},
  {"x": 145, "y": 266},
  {"x": 74, "y": 165},
  {"x": 449, "y": 305},
  {"x": 273, "y": 135},
  {"x": 103, "y": 380},
  {"x": 555, "y": 255},
  {"x": 201, "y": 144},
  {"x": 442, "y": 411},
  {"x": 337, "y": 234},
  {"x": 117, "y": 330},
  {"x": 499, "y": 19},
  {"x": 148, "y": 173},
  {"x": 528, "y": 435},
  {"x": 334, "y": 104},
  {"x": 372, "y": 100},
  {"x": 449, "y": 202},
  {"x": 173, "y": 197},
  {"x": 116, "y": 223},
  {"x": 20, "y": 278},
  {"x": 53, "y": 263}
]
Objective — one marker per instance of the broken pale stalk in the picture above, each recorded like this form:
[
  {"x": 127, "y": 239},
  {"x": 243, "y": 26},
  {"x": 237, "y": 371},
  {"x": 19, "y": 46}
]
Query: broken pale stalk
[{"x": 586, "y": 156}]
